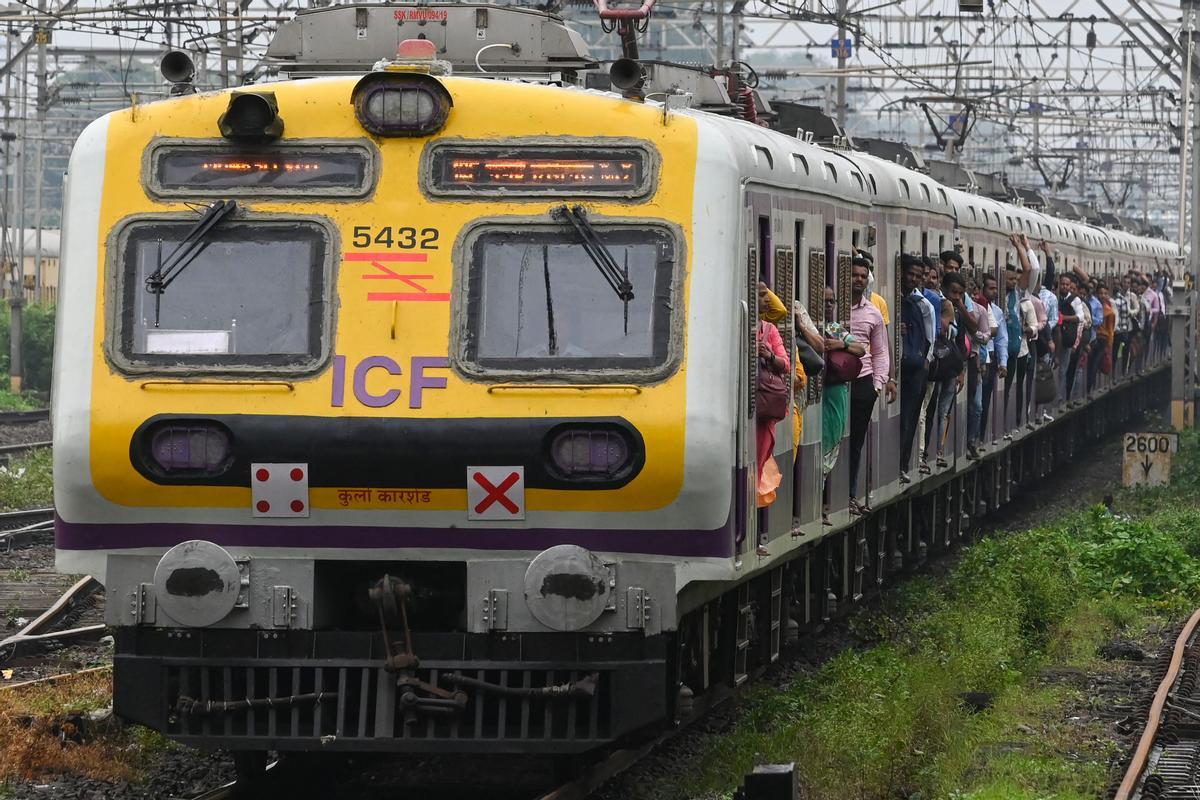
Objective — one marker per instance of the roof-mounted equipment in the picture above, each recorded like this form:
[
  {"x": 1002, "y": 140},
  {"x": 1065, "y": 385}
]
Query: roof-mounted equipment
[
  {"x": 251, "y": 116},
  {"x": 627, "y": 75},
  {"x": 473, "y": 38},
  {"x": 397, "y": 103},
  {"x": 177, "y": 67}
]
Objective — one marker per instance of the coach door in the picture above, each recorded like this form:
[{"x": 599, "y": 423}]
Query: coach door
[{"x": 746, "y": 529}]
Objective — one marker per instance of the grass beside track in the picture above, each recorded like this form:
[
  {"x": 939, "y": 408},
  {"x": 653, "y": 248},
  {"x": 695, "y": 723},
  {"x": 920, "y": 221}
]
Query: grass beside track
[
  {"x": 890, "y": 720},
  {"x": 25, "y": 401},
  {"x": 27, "y": 481},
  {"x": 55, "y": 728},
  {"x": 42, "y": 733}
]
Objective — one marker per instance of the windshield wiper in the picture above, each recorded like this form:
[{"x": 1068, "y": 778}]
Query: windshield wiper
[
  {"x": 551, "y": 336},
  {"x": 185, "y": 252},
  {"x": 614, "y": 276}
]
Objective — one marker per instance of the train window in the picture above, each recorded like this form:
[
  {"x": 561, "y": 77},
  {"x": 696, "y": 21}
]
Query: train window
[
  {"x": 536, "y": 300},
  {"x": 764, "y": 251},
  {"x": 942, "y": 197},
  {"x": 831, "y": 171},
  {"x": 801, "y": 161},
  {"x": 974, "y": 218},
  {"x": 799, "y": 248},
  {"x": 455, "y": 169},
  {"x": 925, "y": 193},
  {"x": 858, "y": 180},
  {"x": 766, "y": 156},
  {"x": 874, "y": 186},
  {"x": 299, "y": 170},
  {"x": 256, "y": 298},
  {"x": 904, "y": 188}
]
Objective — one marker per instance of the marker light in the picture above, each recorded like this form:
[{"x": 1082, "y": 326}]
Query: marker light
[
  {"x": 590, "y": 453},
  {"x": 199, "y": 447},
  {"x": 252, "y": 116},
  {"x": 401, "y": 103}
]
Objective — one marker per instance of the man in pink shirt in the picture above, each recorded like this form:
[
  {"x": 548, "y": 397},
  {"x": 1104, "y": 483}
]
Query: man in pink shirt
[
  {"x": 1153, "y": 301},
  {"x": 867, "y": 326}
]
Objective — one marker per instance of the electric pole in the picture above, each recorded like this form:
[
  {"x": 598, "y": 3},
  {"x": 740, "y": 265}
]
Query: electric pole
[
  {"x": 42, "y": 35},
  {"x": 16, "y": 367},
  {"x": 842, "y": 10},
  {"x": 720, "y": 33}
]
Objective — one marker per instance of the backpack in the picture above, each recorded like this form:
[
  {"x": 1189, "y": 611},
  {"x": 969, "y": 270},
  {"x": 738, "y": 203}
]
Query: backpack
[
  {"x": 915, "y": 342},
  {"x": 1012, "y": 318},
  {"x": 948, "y": 359}
]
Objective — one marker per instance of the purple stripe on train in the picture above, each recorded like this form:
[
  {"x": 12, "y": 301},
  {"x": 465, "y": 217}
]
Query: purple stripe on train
[{"x": 112, "y": 536}]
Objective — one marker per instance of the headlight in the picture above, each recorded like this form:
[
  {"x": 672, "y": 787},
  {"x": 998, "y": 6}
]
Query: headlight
[
  {"x": 401, "y": 104},
  {"x": 587, "y": 452},
  {"x": 197, "y": 448}
]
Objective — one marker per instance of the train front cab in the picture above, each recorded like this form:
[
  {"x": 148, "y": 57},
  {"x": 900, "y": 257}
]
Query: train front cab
[{"x": 544, "y": 631}]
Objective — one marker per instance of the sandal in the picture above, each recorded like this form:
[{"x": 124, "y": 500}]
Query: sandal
[{"x": 924, "y": 468}]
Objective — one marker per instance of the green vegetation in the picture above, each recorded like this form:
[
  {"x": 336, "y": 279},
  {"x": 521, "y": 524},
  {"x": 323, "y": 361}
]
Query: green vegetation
[
  {"x": 26, "y": 401},
  {"x": 38, "y": 335},
  {"x": 27, "y": 481},
  {"x": 891, "y": 720}
]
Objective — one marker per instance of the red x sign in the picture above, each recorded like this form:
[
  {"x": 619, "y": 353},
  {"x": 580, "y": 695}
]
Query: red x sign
[{"x": 496, "y": 493}]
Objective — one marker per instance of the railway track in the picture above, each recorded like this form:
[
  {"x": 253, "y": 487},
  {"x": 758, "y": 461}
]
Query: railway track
[
  {"x": 1166, "y": 762},
  {"x": 17, "y": 449},
  {"x": 17, "y": 417},
  {"x": 231, "y": 790},
  {"x": 40, "y": 630}
]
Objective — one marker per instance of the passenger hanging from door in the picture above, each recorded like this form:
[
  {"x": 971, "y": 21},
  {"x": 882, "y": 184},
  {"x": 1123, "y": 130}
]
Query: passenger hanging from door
[
  {"x": 866, "y": 323},
  {"x": 843, "y": 354},
  {"x": 771, "y": 403},
  {"x": 917, "y": 332}
]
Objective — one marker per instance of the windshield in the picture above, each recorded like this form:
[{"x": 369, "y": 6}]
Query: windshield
[
  {"x": 255, "y": 295},
  {"x": 536, "y": 300}
]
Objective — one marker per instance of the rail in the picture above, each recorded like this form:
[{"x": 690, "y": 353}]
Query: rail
[
  {"x": 36, "y": 415},
  {"x": 28, "y": 522},
  {"x": 13, "y": 449},
  {"x": 1141, "y": 755},
  {"x": 36, "y": 631}
]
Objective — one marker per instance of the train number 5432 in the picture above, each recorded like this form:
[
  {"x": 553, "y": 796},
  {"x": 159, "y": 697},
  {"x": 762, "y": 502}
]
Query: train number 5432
[{"x": 403, "y": 238}]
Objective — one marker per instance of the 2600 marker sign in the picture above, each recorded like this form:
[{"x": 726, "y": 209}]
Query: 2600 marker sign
[{"x": 402, "y": 238}]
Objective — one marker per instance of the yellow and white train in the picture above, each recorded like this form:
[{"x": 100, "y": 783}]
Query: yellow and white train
[{"x": 399, "y": 410}]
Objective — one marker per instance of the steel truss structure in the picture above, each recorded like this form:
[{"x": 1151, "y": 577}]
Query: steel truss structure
[{"x": 1086, "y": 99}]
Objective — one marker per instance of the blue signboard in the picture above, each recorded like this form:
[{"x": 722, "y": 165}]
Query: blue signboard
[{"x": 841, "y": 48}]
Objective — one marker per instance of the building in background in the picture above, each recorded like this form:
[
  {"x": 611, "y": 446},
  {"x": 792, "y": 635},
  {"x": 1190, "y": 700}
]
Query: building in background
[{"x": 48, "y": 295}]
